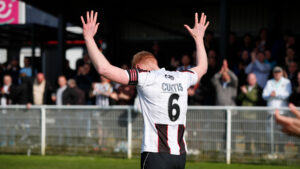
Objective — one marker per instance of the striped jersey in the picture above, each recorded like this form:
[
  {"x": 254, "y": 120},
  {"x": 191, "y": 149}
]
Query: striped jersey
[{"x": 163, "y": 99}]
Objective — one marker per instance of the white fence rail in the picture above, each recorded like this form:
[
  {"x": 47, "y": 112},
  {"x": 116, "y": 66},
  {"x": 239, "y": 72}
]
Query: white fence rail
[{"x": 212, "y": 133}]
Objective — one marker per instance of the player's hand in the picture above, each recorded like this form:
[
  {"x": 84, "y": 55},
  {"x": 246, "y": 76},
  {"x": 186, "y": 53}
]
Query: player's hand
[
  {"x": 290, "y": 125},
  {"x": 91, "y": 25},
  {"x": 199, "y": 28},
  {"x": 294, "y": 110}
]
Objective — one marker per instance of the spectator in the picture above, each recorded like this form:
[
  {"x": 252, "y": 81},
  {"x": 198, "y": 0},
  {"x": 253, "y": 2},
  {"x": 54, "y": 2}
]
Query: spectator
[
  {"x": 205, "y": 87},
  {"x": 276, "y": 94},
  {"x": 41, "y": 91},
  {"x": 84, "y": 60},
  {"x": 240, "y": 68},
  {"x": 27, "y": 69},
  {"x": 277, "y": 89},
  {"x": 225, "y": 83},
  {"x": 295, "y": 97},
  {"x": 290, "y": 40},
  {"x": 247, "y": 43},
  {"x": 251, "y": 96},
  {"x": 24, "y": 90},
  {"x": 259, "y": 68},
  {"x": 126, "y": 95},
  {"x": 79, "y": 93},
  {"x": 209, "y": 41},
  {"x": 13, "y": 69},
  {"x": 292, "y": 72},
  {"x": 7, "y": 91},
  {"x": 263, "y": 42},
  {"x": 64, "y": 94},
  {"x": 102, "y": 91},
  {"x": 84, "y": 80},
  {"x": 60, "y": 97},
  {"x": 269, "y": 59},
  {"x": 173, "y": 64},
  {"x": 186, "y": 63},
  {"x": 290, "y": 56}
]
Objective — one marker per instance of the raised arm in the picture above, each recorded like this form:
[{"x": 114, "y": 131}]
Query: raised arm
[
  {"x": 198, "y": 33},
  {"x": 101, "y": 64}
]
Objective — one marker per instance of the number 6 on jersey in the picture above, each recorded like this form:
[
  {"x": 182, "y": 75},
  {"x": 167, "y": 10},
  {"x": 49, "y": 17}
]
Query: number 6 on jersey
[{"x": 171, "y": 107}]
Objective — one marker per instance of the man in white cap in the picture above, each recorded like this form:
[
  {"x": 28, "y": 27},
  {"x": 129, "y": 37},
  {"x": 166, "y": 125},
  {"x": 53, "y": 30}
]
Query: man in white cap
[
  {"x": 276, "y": 93},
  {"x": 277, "y": 90}
]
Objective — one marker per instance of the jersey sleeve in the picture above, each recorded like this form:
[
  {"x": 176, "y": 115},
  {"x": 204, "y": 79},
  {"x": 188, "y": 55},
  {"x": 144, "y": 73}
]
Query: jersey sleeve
[
  {"x": 190, "y": 76},
  {"x": 137, "y": 77}
]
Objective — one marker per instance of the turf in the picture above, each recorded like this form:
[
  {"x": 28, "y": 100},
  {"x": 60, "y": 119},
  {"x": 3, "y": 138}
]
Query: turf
[{"x": 77, "y": 162}]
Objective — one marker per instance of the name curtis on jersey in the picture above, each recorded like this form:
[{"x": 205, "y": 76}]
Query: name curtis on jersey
[{"x": 168, "y": 87}]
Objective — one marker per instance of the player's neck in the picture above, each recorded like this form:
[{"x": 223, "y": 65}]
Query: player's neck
[{"x": 150, "y": 67}]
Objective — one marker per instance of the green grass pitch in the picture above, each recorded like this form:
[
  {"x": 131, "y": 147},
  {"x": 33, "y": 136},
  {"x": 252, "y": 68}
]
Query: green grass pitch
[{"x": 79, "y": 162}]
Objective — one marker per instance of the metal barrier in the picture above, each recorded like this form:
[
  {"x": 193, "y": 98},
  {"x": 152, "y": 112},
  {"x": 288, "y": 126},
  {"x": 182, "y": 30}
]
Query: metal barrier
[{"x": 213, "y": 133}]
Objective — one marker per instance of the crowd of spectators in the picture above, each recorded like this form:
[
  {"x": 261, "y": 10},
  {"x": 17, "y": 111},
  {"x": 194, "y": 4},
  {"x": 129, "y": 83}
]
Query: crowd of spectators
[
  {"x": 257, "y": 71},
  {"x": 84, "y": 86}
]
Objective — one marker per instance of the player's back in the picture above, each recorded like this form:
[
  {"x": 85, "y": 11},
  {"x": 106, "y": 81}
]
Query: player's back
[{"x": 163, "y": 98}]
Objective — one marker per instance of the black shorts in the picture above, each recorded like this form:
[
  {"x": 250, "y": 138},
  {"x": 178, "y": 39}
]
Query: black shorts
[{"x": 162, "y": 161}]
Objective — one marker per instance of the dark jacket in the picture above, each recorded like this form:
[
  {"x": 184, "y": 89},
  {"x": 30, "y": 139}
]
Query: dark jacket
[
  {"x": 23, "y": 91},
  {"x": 69, "y": 97},
  {"x": 80, "y": 96}
]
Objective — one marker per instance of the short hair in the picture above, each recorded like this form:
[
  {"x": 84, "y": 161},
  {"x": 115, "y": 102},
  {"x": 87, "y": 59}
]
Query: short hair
[
  {"x": 140, "y": 57},
  {"x": 72, "y": 82}
]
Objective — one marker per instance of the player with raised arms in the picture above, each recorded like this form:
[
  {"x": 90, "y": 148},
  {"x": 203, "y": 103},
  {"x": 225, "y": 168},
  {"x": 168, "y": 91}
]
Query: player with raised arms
[{"x": 162, "y": 94}]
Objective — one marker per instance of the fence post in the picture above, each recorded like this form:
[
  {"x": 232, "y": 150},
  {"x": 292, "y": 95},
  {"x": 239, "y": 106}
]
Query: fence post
[
  {"x": 129, "y": 133},
  {"x": 43, "y": 131},
  {"x": 228, "y": 137},
  {"x": 272, "y": 134}
]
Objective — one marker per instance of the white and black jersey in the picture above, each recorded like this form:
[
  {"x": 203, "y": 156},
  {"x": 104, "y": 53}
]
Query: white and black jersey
[{"x": 163, "y": 99}]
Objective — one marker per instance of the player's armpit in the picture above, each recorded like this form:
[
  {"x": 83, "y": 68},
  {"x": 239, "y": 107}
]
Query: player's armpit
[
  {"x": 200, "y": 71},
  {"x": 191, "y": 76}
]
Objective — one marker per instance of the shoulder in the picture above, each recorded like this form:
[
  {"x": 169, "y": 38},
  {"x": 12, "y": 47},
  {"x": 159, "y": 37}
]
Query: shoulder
[
  {"x": 286, "y": 80},
  {"x": 257, "y": 87},
  {"x": 270, "y": 82},
  {"x": 142, "y": 71},
  {"x": 187, "y": 71}
]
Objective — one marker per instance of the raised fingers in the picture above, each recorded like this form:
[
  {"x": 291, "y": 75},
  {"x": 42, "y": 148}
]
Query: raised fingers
[
  {"x": 92, "y": 16},
  {"x": 282, "y": 119},
  {"x": 82, "y": 20},
  {"x": 204, "y": 19},
  {"x": 206, "y": 25},
  {"x": 196, "y": 18},
  {"x": 201, "y": 19},
  {"x": 188, "y": 28},
  {"x": 87, "y": 17},
  {"x": 294, "y": 110},
  {"x": 95, "y": 17}
]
